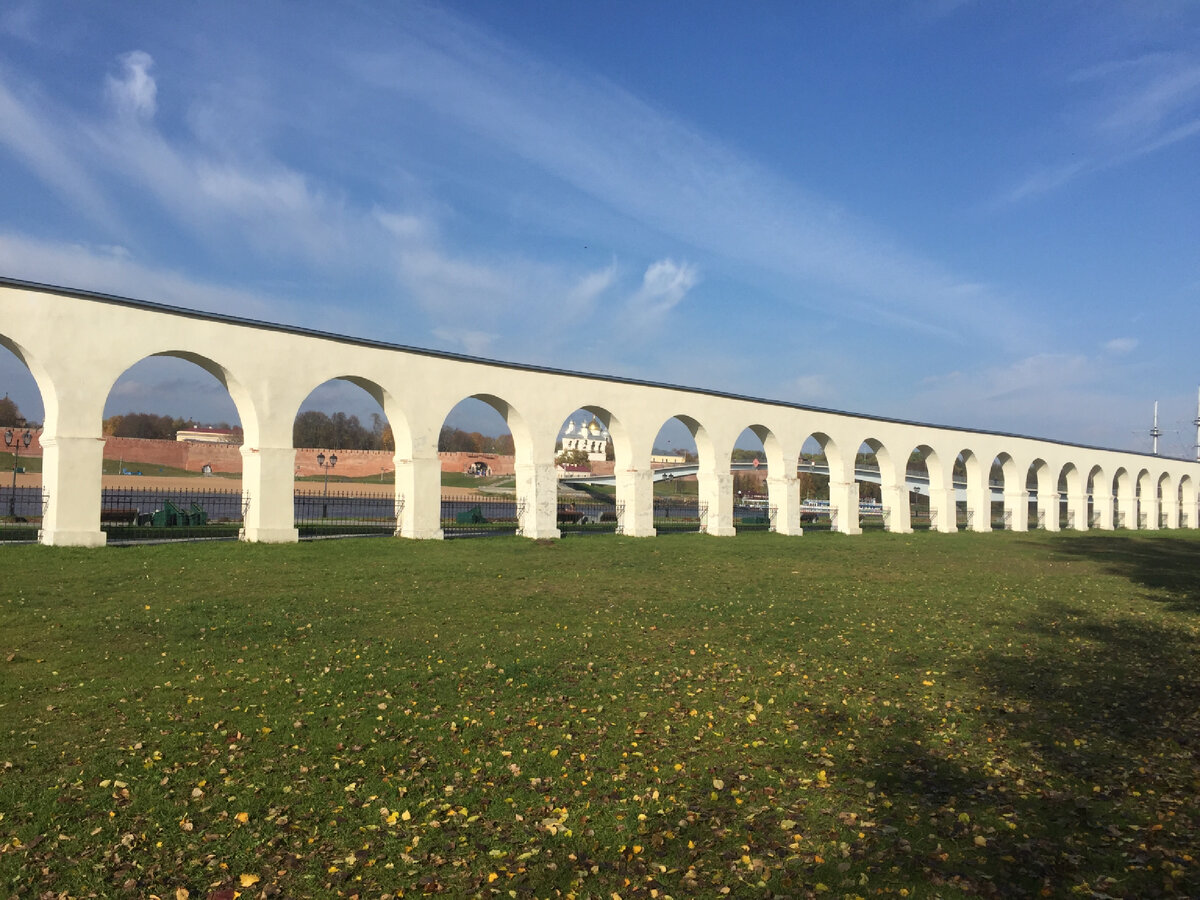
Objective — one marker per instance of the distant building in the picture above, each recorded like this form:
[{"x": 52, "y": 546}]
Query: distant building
[
  {"x": 591, "y": 438},
  {"x": 668, "y": 459},
  {"x": 210, "y": 435}
]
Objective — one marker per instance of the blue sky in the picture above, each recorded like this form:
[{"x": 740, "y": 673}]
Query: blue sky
[{"x": 976, "y": 214}]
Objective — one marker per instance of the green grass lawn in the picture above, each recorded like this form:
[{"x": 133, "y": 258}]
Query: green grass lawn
[{"x": 922, "y": 715}]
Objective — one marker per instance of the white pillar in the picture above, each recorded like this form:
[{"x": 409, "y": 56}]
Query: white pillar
[
  {"x": 1128, "y": 507},
  {"x": 942, "y": 505},
  {"x": 843, "y": 498},
  {"x": 635, "y": 489},
  {"x": 71, "y": 468},
  {"x": 716, "y": 489},
  {"x": 419, "y": 486},
  {"x": 895, "y": 502},
  {"x": 1077, "y": 505},
  {"x": 1016, "y": 504},
  {"x": 268, "y": 480},
  {"x": 783, "y": 493},
  {"x": 979, "y": 505},
  {"x": 1170, "y": 506},
  {"x": 537, "y": 489},
  {"x": 1150, "y": 508},
  {"x": 1102, "y": 503},
  {"x": 1047, "y": 504}
]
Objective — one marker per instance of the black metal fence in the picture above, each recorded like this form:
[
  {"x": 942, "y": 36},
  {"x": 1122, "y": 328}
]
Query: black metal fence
[
  {"x": 325, "y": 514},
  {"x": 679, "y": 514},
  {"x": 21, "y": 511},
  {"x": 754, "y": 517},
  {"x": 481, "y": 516},
  {"x": 160, "y": 514},
  {"x": 590, "y": 516}
]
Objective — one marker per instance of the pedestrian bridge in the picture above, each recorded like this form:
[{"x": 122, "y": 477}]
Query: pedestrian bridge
[
  {"x": 915, "y": 483},
  {"x": 76, "y": 344}
]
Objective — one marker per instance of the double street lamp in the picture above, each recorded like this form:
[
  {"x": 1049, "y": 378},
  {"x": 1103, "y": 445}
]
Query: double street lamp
[
  {"x": 13, "y": 441},
  {"x": 326, "y": 466}
]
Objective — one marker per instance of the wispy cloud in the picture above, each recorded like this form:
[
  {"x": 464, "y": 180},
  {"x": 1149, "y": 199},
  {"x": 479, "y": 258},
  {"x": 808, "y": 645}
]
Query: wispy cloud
[
  {"x": 1120, "y": 346},
  {"x": 133, "y": 91},
  {"x": 1133, "y": 107},
  {"x": 44, "y": 148},
  {"x": 646, "y": 165},
  {"x": 664, "y": 284},
  {"x": 111, "y": 269}
]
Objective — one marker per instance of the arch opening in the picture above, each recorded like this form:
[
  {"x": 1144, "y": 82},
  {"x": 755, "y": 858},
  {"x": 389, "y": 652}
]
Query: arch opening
[
  {"x": 682, "y": 450},
  {"x": 481, "y": 442},
  {"x": 872, "y": 471},
  {"x": 344, "y": 481},
  {"x": 923, "y": 470},
  {"x": 818, "y": 462},
  {"x": 753, "y": 509},
  {"x": 585, "y": 449},
  {"x": 172, "y": 463},
  {"x": 21, "y": 421}
]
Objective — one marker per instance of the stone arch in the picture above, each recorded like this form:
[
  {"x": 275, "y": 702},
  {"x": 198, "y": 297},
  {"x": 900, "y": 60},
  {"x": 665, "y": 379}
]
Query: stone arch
[
  {"x": 925, "y": 462},
  {"x": 1040, "y": 479},
  {"x": 687, "y": 510},
  {"x": 752, "y": 513},
  {"x": 240, "y": 395},
  {"x": 594, "y": 432},
  {"x": 819, "y": 487},
  {"x": 41, "y": 379},
  {"x": 1147, "y": 500},
  {"x": 975, "y": 512},
  {"x": 1071, "y": 483},
  {"x": 622, "y": 440},
  {"x": 893, "y": 505},
  {"x": 1015, "y": 506},
  {"x": 1189, "y": 515},
  {"x": 366, "y": 507},
  {"x": 1098, "y": 487},
  {"x": 1125, "y": 503},
  {"x": 1166, "y": 499}
]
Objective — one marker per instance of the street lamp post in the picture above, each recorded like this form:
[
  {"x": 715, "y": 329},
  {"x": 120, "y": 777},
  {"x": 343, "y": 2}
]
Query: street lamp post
[
  {"x": 326, "y": 466},
  {"x": 13, "y": 441}
]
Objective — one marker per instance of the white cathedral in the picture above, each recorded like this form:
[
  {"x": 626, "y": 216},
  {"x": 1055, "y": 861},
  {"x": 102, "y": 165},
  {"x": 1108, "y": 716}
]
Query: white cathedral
[{"x": 591, "y": 438}]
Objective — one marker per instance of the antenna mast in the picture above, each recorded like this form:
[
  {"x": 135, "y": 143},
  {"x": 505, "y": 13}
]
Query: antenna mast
[
  {"x": 1196, "y": 422},
  {"x": 1155, "y": 432}
]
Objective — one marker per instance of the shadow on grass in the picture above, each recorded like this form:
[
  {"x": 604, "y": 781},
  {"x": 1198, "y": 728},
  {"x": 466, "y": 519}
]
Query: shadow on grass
[
  {"x": 1094, "y": 781},
  {"x": 1169, "y": 566}
]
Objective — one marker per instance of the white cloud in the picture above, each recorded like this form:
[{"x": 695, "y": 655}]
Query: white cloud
[
  {"x": 664, "y": 285},
  {"x": 133, "y": 91},
  {"x": 1120, "y": 346}
]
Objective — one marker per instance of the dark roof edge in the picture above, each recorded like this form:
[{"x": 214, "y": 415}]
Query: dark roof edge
[{"x": 548, "y": 370}]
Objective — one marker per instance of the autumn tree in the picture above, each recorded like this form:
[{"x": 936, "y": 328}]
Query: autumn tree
[
  {"x": 145, "y": 425},
  {"x": 573, "y": 457},
  {"x": 455, "y": 440},
  {"x": 315, "y": 429},
  {"x": 9, "y": 414}
]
